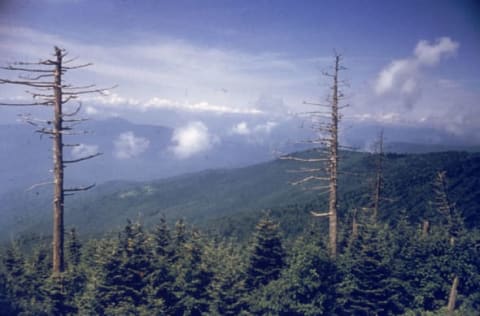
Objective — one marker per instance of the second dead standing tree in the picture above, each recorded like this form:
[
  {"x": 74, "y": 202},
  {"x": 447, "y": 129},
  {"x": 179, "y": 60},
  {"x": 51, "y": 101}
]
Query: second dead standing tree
[
  {"x": 45, "y": 78},
  {"x": 325, "y": 122}
]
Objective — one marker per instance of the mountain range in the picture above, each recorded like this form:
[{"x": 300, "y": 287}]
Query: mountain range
[{"x": 229, "y": 197}]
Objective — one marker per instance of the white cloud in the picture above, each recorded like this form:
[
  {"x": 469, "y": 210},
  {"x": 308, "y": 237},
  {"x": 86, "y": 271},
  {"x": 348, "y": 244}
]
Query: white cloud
[
  {"x": 127, "y": 145},
  {"x": 400, "y": 78},
  {"x": 115, "y": 100},
  {"x": 266, "y": 128},
  {"x": 192, "y": 139},
  {"x": 430, "y": 54},
  {"x": 241, "y": 129},
  {"x": 396, "y": 71},
  {"x": 83, "y": 150},
  {"x": 90, "y": 110},
  {"x": 202, "y": 106}
]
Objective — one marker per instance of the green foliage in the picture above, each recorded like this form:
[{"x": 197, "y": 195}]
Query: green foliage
[
  {"x": 193, "y": 278},
  {"x": 306, "y": 287},
  {"x": 125, "y": 272},
  {"x": 227, "y": 289},
  {"x": 368, "y": 286},
  {"x": 267, "y": 257},
  {"x": 390, "y": 267}
]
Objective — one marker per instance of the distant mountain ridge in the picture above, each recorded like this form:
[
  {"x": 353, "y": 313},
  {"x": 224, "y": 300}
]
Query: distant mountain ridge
[
  {"x": 26, "y": 157},
  {"x": 418, "y": 148}
]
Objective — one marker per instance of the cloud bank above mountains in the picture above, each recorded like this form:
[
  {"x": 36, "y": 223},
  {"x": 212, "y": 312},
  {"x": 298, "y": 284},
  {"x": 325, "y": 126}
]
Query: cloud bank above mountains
[{"x": 207, "y": 92}]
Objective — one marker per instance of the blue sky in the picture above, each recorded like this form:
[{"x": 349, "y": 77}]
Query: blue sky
[{"x": 224, "y": 67}]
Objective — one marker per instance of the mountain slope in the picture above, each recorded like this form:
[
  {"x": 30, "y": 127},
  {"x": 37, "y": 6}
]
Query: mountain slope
[{"x": 213, "y": 194}]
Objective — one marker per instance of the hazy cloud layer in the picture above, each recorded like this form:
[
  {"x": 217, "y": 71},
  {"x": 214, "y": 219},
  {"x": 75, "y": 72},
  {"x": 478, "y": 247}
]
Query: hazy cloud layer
[
  {"x": 171, "y": 73},
  {"x": 128, "y": 146},
  {"x": 171, "y": 82},
  {"x": 192, "y": 139}
]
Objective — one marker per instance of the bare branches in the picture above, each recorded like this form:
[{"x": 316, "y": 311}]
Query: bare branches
[
  {"x": 102, "y": 91},
  {"x": 38, "y": 185},
  {"x": 309, "y": 178},
  {"x": 29, "y": 70},
  {"x": 82, "y": 159},
  {"x": 325, "y": 170},
  {"x": 303, "y": 159},
  {"x": 26, "y": 104},
  {"x": 77, "y": 67},
  {"x": 75, "y": 112},
  {"x": 55, "y": 93},
  {"x": 78, "y": 189},
  {"x": 317, "y": 214},
  {"x": 29, "y": 83}
]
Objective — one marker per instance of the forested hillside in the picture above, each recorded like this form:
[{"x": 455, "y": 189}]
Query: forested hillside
[
  {"x": 383, "y": 269},
  {"x": 249, "y": 246},
  {"x": 233, "y": 199}
]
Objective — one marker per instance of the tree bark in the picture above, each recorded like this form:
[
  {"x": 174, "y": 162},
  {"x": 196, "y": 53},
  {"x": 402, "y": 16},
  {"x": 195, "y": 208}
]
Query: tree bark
[
  {"x": 332, "y": 210},
  {"x": 58, "y": 198},
  {"x": 453, "y": 296}
]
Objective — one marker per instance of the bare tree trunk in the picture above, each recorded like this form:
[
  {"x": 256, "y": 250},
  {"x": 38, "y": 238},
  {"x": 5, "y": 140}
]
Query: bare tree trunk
[
  {"x": 332, "y": 205},
  {"x": 58, "y": 198},
  {"x": 44, "y": 80},
  {"x": 453, "y": 296},
  {"x": 378, "y": 177},
  {"x": 325, "y": 123},
  {"x": 425, "y": 228},
  {"x": 354, "y": 226}
]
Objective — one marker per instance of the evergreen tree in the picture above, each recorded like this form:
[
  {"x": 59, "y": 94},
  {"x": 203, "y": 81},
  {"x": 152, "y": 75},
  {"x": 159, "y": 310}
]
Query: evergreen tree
[
  {"x": 160, "y": 288},
  {"x": 73, "y": 249},
  {"x": 125, "y": 273},
  {"x": 368, "y": 284},
  {"x": 306, "y": 287},
  {"x": 267, "y": 257},
  {"x": 162, "y": 239},
  {"x": 193, "y": 278},
  {"x": 228, "y": 292},
  {"x": 59, "y": 295},
  {"x": 12, "y": 280},
  {"x": 6, "y": 302}
]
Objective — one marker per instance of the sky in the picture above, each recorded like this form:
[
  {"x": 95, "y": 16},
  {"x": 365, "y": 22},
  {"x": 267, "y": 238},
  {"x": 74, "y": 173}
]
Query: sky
[{"x": 213, "y": 68}]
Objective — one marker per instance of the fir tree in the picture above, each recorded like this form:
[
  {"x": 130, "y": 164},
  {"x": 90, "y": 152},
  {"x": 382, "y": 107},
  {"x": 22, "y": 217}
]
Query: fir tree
[
  {"x": 193, "y": 278},
  {"x": 267, "y": 257},
  {"x": 126, "y": 272},
  {"x": 160, "y": 288},
  {"x": 368, "y": 284},
  {"x": 306, "y": 287},
  {"x": 228, "y": 292}
]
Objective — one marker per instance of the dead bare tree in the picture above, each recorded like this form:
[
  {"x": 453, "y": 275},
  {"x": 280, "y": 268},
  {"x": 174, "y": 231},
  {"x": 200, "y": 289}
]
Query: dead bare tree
[
  {"x": 454, "y": 222},
  {"x": 45, "y": 79},
  {"x": 325, "y": 122},
  {"x": 379, "y": 155}
]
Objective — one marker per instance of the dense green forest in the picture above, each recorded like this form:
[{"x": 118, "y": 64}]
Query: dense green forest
[
  {"x": 382, "y": 270},
  {"x": 271, "y": 262}
]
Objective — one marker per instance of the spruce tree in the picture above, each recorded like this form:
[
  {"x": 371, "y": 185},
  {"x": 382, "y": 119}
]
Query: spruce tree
[
  {"x": 306, "y": 287},
  {"x": 160, "y": 288},
  {"x": 125, "y": 273},
  {"x": 267, "y": 257},
  {"x": 228, "y": 292},
  {"x": 368, "y": 284},
  {"x": 15, "y": 278},
  {"x": 193, "y": 278}
]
